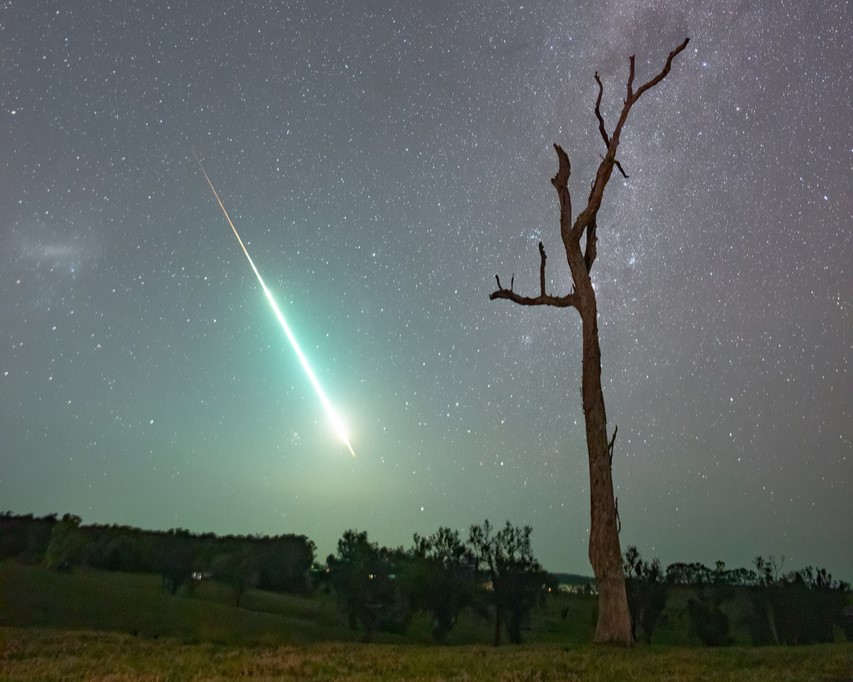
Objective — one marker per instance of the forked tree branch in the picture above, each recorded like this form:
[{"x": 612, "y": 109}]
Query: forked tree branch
[
  {"x": 581, "y": 262},
  {"x": 657, "y": 79},
  {"x": 605, "y": 168},
  {"x": 567, "y": 301}
]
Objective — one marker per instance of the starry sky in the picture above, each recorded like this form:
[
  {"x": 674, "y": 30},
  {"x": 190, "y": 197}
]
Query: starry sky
[{"x": 383, "y": 161}]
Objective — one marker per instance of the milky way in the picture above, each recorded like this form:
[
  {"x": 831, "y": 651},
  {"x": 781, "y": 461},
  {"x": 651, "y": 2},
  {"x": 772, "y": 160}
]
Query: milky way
[{"x": 384, "y": 162}]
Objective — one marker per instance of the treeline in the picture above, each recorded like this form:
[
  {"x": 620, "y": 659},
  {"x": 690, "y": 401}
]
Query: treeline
[
  {"x": 490, "y": 571},
  {"x": 496, "y": 574},
  {"x": 280, "y": 563},
  {"x": 378, "y": 588},
  {"x": 793, "y": 607}
]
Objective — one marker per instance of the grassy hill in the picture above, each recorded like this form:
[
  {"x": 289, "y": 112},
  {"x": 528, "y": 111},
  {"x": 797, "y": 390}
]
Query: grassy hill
[{"x": 136, "y": 604}]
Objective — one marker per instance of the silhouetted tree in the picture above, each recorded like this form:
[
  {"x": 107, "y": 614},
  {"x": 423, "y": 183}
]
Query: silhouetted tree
[
  {"x": 693, "y": 574},
  {"x": 363, "y": 576},
  {"x": 25, "y": 537},
  {"x": 66, "y": 544},
  {"x": 283, "y": 562},
  {"x": 514, "y": 574},
  {"x": 442, "y": 577},
  {"x": 614, "y": 619},
  {"x": 800, "y": 607},
  {"x": 647, "y": 593}
]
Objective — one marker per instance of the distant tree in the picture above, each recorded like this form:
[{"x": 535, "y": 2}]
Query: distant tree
[
  {"x": 25, "y": 537},
  {"x": 769, "y": 570},
  {"x": 688, "y": 574},
  {"x": 799, "y": 607},
  {"x": 614, "y": 619},
  {"x": 363, "y": 575},
  {"x": 442, "y": 578},
  {"x": 66, "y": 544},
  {"x": 396, "y": 617},
  {"x": 283, "y": 562},
  {"x": 741, "y": 577},
  {"x": 515, "y": 576},
  {"x": 647, "y": 593}
]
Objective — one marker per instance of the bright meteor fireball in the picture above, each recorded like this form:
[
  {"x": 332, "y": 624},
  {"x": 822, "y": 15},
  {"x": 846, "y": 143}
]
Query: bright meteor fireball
[{"x": 335, "y": 419}]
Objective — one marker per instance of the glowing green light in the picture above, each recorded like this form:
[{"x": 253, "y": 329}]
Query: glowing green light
[{"x": 335, "y": 420}]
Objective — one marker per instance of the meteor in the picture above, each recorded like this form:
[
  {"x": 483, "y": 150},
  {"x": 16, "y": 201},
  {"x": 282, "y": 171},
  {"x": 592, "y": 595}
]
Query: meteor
[{"x": 335, "y": 419}]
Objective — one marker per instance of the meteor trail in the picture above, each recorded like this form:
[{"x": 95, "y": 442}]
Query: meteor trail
[{"x": 335, "y": 420}]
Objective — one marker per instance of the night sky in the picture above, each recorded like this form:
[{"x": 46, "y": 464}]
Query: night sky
[{"x": 383, "y": 161}]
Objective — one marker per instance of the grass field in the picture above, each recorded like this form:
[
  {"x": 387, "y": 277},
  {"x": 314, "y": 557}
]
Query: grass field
[
  {"x": 35, "y": 654},
  {"x": 90, "y": 625}
]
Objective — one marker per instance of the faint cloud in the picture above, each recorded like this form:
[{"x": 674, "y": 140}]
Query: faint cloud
[{"x": 40, "y": 245}]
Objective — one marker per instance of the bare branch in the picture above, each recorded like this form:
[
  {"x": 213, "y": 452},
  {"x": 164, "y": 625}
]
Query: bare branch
[
  {"x": 630, "y": 79},
  {"x": 511, "y": 283},
  {"x": 602, "y": 176},
  {"x": 657, "y": 79},
  {"x": 561, "y": 184},
  {"x": 601, "y": 128},
  {"x": 567, "y": 301}
]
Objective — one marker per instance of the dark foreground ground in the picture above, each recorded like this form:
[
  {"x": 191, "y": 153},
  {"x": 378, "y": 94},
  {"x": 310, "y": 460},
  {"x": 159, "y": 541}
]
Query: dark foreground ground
[
  {"x": 38, "y": 654},
  {"x": 91, "y": 625}
]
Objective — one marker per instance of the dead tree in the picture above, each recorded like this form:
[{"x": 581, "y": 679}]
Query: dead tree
[{"x": 614, "y": 620}]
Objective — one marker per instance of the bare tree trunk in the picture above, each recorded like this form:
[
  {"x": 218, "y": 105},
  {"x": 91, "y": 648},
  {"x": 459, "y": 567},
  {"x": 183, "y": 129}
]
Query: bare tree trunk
[{"x": 605, "y": 554}]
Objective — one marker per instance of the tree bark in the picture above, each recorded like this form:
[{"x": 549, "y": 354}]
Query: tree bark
[{"x": 605, "y": 553}]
